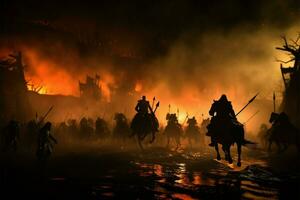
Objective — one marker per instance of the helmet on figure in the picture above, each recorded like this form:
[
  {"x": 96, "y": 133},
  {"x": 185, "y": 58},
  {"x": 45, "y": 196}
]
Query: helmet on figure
[{"x": 223, "y": 98}]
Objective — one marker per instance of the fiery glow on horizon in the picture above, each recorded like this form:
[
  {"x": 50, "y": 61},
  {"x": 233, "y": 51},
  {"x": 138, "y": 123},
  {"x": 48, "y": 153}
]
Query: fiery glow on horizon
[{"x": 48, "y": 75}]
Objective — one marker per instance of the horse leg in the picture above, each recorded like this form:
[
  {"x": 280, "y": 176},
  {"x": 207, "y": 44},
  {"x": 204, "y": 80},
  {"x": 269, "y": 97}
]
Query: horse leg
[
  {"x": 168, "y": 141},
  {"x": 278, "y": 146},
  {"x": 239, "y": 148},
  {"x": 190, "y": 142},
  {"x": 225, "y": 152},
  {"x": 140, "y": 143},
  {"x": 217, "y": 150},
  {"x": 270, "y": 145},
  {"x": 177, "y": 143},
  {"x": 229, "y": 156},
  {"x": 153, "y": 137}
]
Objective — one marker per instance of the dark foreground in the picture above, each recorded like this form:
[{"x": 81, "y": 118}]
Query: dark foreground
[{"x": 156, "y": 173}]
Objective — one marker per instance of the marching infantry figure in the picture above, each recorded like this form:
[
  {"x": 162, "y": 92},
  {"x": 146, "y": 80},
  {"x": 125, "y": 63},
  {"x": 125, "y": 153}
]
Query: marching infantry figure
[
  {"x": 11, "y": 135},
  {"x": 45, "y": 139}
]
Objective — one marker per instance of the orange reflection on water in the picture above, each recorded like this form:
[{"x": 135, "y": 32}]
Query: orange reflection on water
[
  {"x": 197, "y": 179},
  {"x": 158, "y": 170},
  {"x": 182, "y": 196}
]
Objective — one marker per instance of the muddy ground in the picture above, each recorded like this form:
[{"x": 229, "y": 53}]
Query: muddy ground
[{"x": 156, "y": 173}]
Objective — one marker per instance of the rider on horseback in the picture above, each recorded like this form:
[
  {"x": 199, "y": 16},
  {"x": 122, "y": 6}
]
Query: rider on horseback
[
  {"x": 223, "y": 115},
  {"x": 142, "y": 108}
]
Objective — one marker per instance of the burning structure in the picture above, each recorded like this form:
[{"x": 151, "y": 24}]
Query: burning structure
[
  {"x": 91, "y": 89},
  {"x": 291, "y": 78},
  {"x": 21, "y": 100},
  {"x": 13, "y": 88}
]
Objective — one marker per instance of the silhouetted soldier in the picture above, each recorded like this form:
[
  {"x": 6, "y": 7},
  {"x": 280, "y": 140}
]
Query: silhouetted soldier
[
  {"x": 143, "y": 106},
  {"x": 101, "y": 129},
  {"x": 144, "y": 122},
  {"x": 45, "y": 139},
  {"x": 192, "y": 131},
  {"x": 11, "y": 135},
  {"x": 222, "y": 116},
  {"x": 72, "y": 127},
  {"x": 192, "y": 122}
]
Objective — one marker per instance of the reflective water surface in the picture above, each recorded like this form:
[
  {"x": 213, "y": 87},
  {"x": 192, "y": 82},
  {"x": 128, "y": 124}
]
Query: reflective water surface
[
  {"x": 155, "y": 173},
  {"x": 165, "y": 174}
]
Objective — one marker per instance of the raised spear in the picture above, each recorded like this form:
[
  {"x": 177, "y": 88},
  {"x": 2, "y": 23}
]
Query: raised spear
[
  {"x": 157, "y": 105},
  {"x": 153, "y": 101},
  {"x": 274, "y": 103},
  {"x": 187, "y": 116},
  {"x": 250, "y": 101}
]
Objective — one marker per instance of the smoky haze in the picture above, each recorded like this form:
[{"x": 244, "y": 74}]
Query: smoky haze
[{"x": 184, "y": 53}]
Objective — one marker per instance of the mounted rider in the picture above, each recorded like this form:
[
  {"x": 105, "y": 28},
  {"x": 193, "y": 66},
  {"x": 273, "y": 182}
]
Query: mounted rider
[
  {"x": 192, "y": 122},
  {"x": 223, "y": 116},
  {"x": 142, "y": 106},
  {"x": 144, "y": 119}
]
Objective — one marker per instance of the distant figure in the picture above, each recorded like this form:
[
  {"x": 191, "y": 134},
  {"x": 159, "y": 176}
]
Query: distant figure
[
  {"x": 121, "y": 130},
  {"x": 222, "y": 116},
  {"x": 203, "y": 127},
  {"x": 102, "y": 130},
  {"x": 45, "y": 145},
  {"x": 86, "y": 127},
  {"x": 282, "y": 132},
  {"x": 263, "y": 135},
  {"x": 31, "y": 135},
  {"x": 11, "y": 135},
  {"x": 173, "y": 129},
  {"x": 192, "y": 131},
  {"x": 144, "y": 122},
  {"x": 72, "y": 127}
]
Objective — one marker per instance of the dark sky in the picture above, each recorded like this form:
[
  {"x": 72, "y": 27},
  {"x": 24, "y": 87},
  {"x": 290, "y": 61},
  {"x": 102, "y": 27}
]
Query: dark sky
[
  {"x": 164, "y": 17},
  {"x": 148, "y": 27}
]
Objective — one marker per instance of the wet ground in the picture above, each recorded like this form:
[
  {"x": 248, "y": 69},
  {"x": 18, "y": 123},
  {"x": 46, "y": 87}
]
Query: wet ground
[{"x": 156, "y": 173}]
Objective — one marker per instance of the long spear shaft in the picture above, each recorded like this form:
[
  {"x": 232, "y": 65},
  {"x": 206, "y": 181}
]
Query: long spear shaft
[
  {"x": 274, "y": 102},
  {"x": 251, "y": 117},
  {"x": 250, "y": 101},
  {"x": 157, "y": 105},
  {"x": 187, "y": 116}
]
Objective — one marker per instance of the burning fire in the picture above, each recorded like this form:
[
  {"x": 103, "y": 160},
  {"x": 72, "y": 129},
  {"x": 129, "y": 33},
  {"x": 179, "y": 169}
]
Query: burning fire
[
  {"x": 55, "y": 79},
  {"x": 52, "y": 78},
  {"x": 138, "y": 87}
]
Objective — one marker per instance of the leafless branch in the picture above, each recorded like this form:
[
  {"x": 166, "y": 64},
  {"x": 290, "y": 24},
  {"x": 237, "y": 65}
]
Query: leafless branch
[{"x": 285, "y": 62}]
